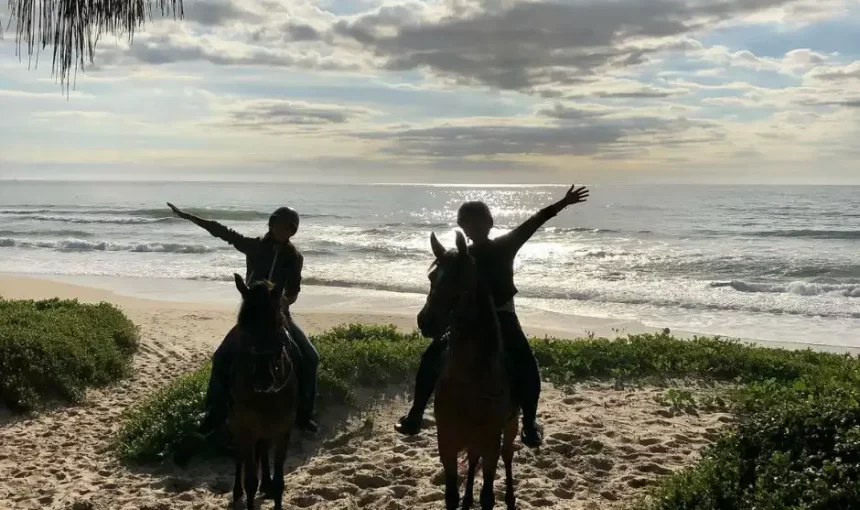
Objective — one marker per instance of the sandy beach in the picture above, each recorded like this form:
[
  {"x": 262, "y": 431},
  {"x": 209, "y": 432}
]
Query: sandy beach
[{"x": 604, "y": 443}]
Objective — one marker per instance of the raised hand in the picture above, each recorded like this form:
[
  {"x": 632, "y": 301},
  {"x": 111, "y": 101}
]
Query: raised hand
[
  {"x": 178, "y": 212},
  {"x": 575, "y": 195}
]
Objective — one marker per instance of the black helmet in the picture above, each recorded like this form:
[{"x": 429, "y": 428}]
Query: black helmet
[{"x": 285, "y": 213}]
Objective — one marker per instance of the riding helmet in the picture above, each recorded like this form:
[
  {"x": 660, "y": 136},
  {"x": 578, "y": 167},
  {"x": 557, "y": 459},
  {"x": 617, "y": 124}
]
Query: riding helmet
[{"x": 285, "y": 213}]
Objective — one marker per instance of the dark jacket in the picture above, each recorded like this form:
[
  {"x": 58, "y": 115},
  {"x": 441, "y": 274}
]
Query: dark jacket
[
  {"x": 495, "y": 257},
  {"x": 264, "y": 259}
]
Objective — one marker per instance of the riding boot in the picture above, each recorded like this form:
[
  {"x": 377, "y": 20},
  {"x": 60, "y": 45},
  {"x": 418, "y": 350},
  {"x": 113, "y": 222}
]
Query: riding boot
[
  {"x": 216, "y": 406},
  {"x": 217, "y": 394},
  {"x": 304, "y": 418},
  {"x": 526, "y": 377},
  {"x": 425, "y": 383}
]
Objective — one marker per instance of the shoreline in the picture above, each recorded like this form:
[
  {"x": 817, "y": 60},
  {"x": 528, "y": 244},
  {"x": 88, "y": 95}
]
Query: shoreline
[{"x": 319, "y": 308}]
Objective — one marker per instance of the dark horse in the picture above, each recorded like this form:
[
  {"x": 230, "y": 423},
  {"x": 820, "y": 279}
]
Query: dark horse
[
  {"x": 474, "y": 409},
  {"x": 264, "y": 391}
]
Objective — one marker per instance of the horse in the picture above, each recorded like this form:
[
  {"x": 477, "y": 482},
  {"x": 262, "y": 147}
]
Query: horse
[
  {"x": 474, "y": 408},
  {"x": 264, "y": 391}
]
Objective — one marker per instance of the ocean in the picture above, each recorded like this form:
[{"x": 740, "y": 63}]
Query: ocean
[{"x": 764, "y": 262}]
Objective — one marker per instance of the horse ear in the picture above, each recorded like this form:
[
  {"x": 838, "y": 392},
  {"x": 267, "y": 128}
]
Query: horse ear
[
  {"x": 240, "y": 284},
  {"x": 461, "y": 244},
  {"x": 438, "y": 249}
]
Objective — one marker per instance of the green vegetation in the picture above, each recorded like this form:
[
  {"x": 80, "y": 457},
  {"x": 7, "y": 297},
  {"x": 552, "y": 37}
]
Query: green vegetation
[
  {"x": 796, "y": 446},
  {"x": 354, "y": 356},
  {"x": 56, "y": 349},
  {"x": 796, "y": 443}
]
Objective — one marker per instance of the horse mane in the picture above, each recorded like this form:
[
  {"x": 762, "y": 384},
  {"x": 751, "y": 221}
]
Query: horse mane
[
  {"x": 488, "y": 319},
  {"x": 485, "y": 324},
  {"x": 254, "y": 311}
]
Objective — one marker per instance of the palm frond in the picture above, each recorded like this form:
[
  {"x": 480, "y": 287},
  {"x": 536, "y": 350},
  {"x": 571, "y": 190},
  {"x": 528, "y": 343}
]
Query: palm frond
[{"x": 72, "y": 27}]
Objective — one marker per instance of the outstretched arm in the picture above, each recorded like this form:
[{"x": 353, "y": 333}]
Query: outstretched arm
[
  {"x": 515, "y": 239},
  {"x": 216, "y": 229}
]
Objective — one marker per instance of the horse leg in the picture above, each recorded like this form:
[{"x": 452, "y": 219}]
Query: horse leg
[
  {"x": 448, "y": 450},
  {"x": 249, "y": 459},
  {"x": 237, "y": 481},
  {"x": 265, "y": 472},
  {"x": 491, "y": 460},
  {"x": 508, "y": 458},
  {"x": 468, "y": 497},
  {"x": 278, "y": 481}
]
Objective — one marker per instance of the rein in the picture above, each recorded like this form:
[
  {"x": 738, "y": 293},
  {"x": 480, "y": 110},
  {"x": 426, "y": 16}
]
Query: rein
[
  {"x": 453, "y": 332},
  {"x": 279, "y": 357}
]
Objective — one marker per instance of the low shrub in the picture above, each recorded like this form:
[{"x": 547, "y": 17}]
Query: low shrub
[
  {"x": 356, "y": 356},
  {"x": 795, "y": 446},
  {"x": 352, "y": 356},
  {"x": 56, "y": 349}
]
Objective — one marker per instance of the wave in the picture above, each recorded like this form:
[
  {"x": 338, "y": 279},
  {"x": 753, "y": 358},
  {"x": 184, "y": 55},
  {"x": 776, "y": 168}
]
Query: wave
[
  {"x": 799, "y": 288},
  {"x": 789, "y": 234},
  {"x": 97, "y": 220},
  {"x": 80, "y": 245},
  {"x": 142, "y": 215},
  {"x": 48, "y": 233},
  {"x": 405, "y": 287},
  {"x": 592, "y": 230},
  {"x": 809, "y": 234},
  {"x": 588, "y": 295}
]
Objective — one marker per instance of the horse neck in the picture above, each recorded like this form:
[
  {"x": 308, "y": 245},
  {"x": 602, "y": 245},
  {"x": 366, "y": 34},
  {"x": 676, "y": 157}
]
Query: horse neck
[
  {"x": 478, "y": 321},
  {"x": 266, "y": 330}
]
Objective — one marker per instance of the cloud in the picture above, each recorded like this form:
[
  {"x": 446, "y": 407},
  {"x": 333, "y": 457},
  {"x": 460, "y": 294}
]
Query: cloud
[
  {"x": 574, "y": 134},
  {"x": 836, "y": 73},
  {"x": 275, "y": 115},
  {"x": 42, "y": 96},
  {"x": 794, "y": 62},
  {"x": 215, "y": 13},
  {"x": 561, "y": 112},
  {"x": 536, "y": 45},
  {"x": 180, "y": 44}
]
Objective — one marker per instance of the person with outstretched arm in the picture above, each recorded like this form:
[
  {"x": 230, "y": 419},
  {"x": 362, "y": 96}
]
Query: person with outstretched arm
[
  {"x": 272, "y": 257},
  {"x": 495, "y": 264}
]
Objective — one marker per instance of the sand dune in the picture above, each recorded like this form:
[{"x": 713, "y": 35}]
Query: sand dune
[{"x": 603, "y": 445}]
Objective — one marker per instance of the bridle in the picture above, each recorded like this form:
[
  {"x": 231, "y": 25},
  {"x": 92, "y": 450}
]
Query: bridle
[{"x": 277, "y": 361}]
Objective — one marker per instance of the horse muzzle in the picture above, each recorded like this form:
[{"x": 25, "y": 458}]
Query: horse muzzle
[{"x": 429, "y": 325}]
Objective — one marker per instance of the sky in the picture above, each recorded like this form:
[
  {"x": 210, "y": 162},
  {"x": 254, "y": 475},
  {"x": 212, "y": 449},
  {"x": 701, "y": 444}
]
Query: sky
[{"x": 489, "y": 91}]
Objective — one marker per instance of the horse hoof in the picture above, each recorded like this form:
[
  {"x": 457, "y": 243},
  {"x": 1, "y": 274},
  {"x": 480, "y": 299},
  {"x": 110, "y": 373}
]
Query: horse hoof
[{"x": 268, "y": 492}]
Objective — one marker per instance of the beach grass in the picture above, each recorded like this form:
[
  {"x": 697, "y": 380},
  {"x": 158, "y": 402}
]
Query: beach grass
[
  {"x": 795, "y": 443},
  {"x": 56, "y": 349}
]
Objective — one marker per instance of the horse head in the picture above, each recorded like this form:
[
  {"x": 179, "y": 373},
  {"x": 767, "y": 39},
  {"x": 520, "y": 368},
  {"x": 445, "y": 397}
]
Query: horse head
[
  {"x": 453, "y": 280},
  {"x": 261, "y": 324}
]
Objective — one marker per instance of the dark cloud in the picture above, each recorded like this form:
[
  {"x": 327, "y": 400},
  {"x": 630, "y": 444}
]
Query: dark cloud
[
  {"x": 848, "y": 103},
  {"x": 561, "y": 112},
  {"x": 598, "y": 136},
  {"x": 170, "y": 47},
  {"x": 849, "y": 72},
  {"x": 639, "y": 94},
  {"x": 218, "y": 13},
  {"x": 268, "y": 115},
  {"x": 540, "y": 44},
  {"x": 301, "y": 32}
]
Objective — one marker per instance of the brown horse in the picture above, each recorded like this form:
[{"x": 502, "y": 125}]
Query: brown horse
[
  {"x": 264, "y": 391},
  {"x": 474, "y": 409}
]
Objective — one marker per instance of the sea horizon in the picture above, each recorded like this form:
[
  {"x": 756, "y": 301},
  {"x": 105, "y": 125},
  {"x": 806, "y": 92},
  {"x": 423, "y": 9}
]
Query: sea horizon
[{"x": 776, "y": 263}]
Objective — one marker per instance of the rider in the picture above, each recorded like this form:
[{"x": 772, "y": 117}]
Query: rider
[
  {"x": 495, "y": 263},
  {"x": 271, "y": 257}
]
